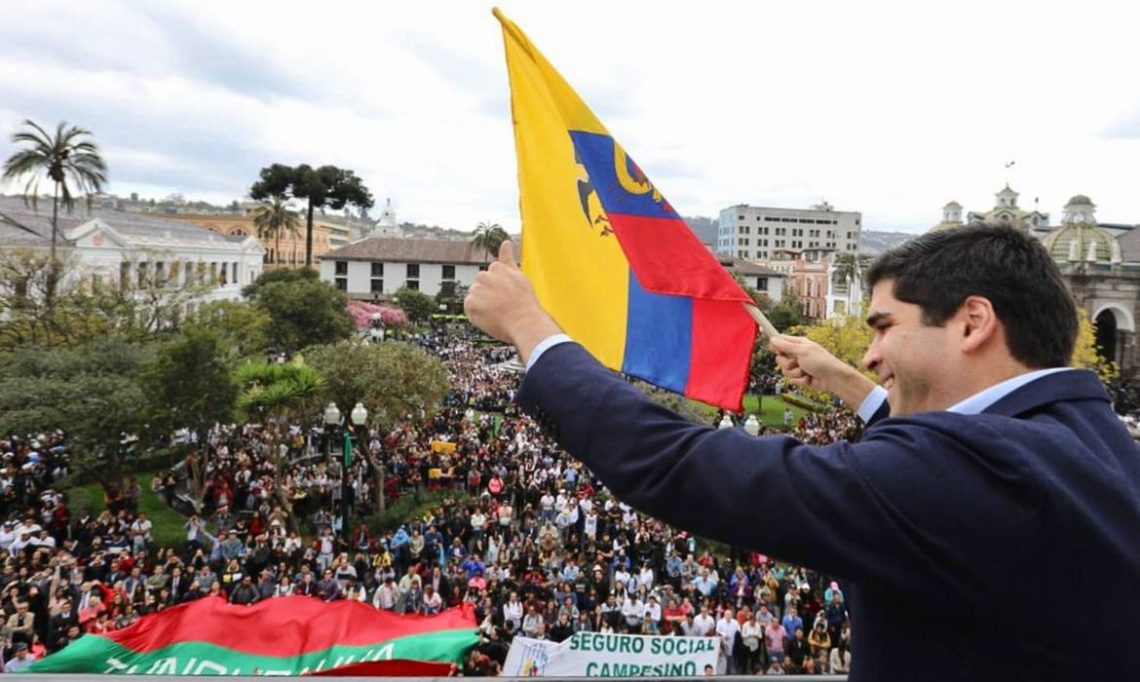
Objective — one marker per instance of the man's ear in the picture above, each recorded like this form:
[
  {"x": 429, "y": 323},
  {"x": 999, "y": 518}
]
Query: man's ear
[{"x": 979, "y": 322}]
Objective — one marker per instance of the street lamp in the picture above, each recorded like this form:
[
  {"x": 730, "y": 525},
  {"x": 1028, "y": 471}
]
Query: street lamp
[
  {"x": 725, "y": 422},
  {"x": 332, "y": 418},
  {"x": 751, "y": 426},
  {"x": 359, "y": 417}
]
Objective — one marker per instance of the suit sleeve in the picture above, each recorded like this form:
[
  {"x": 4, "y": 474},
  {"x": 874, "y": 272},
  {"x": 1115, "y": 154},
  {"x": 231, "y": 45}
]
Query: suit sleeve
[{"x": 879, "y": 510}]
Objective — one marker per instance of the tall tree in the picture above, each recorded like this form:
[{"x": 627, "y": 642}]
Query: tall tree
[
  {"x": 489, "y": 236},
  {"x": 303, "y": 312},
  {"x": 65, "y": 159},
  {"x": 272, "y": 218},
  {"x": 391, "y": 380},
  {"x": 91, "y": 391},
  {"x": 320, "y": 187},
  {"x": 418, "y": 305}
]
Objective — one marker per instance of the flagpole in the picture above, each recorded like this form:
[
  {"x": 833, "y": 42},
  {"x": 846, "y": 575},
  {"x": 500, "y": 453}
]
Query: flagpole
[{"x": 766, "y": 326}]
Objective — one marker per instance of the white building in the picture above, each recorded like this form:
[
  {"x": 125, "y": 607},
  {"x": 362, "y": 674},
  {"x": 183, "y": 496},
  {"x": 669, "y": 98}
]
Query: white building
[
  {"x": 110, "y": 247},
  {"x": 377, "y": 267},
  {"x": 755, "y": 233}
]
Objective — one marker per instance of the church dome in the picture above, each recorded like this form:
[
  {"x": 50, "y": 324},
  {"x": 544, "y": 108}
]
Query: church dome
[
  {"x": 1078, "y": 241},
  {"x": 1081, "y": 200}
]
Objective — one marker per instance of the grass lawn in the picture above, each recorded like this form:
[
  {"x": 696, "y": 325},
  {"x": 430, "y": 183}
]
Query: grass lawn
[
  {"x": 167, "y": 530},
  {"x": 773, "y": 410}
]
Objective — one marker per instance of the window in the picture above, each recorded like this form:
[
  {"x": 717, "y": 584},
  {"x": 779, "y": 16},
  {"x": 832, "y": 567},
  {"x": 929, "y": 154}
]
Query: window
[
  {"x": 160, "y": 273},
  {"x": 377, "y": 286},
  {"x": 449, "y": 272},
  {"x": 142, "y": 274},
  {"x": 342, "y": 268},
  {"x": 413, "y": 284},
  {"x": 342, "y": 283},
  {"x": 377, "y": 269},
  {"x": 413, "y": 270},
  {"x": 762, "y": 283}
]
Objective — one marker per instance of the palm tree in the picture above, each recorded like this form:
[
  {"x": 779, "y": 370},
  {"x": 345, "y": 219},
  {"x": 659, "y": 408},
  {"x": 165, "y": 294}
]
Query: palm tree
[
  {"x": 62, "y": 157},
  {"x": 271, "y": 219},
  {"x": 488, "y": 236},
  {"x": 849, "y": 269}
]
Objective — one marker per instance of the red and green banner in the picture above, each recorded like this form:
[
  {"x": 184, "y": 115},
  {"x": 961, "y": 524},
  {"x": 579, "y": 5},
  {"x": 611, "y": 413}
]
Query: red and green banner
[{"x": 287, "y": 636}]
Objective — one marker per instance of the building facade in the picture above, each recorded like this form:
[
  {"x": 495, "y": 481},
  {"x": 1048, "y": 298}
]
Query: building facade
[
  {"x": 757, "y": 233},
  {"x": 375, "y": 268},
  {"x": 115, "y": 248},
  {"x": 285, "y": 251},
  {"x": 1099, "y": 262}
]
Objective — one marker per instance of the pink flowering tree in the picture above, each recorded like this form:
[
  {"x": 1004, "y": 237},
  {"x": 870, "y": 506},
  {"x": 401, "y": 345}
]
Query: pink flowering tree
[{"x": 362, "y": 313}]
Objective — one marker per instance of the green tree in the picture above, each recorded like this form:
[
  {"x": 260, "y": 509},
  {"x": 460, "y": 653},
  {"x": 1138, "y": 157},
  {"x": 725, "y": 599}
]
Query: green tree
[
  {"x": 320, "y": 187},
  {"x": 190, "y": 381},
  {"x": 303, "y": 312},
  {"x": 418, "y": 305},
  {"x": 785, "y": 315},
  {"x": 91, "y": 391},
  {"x": 280, "y": 275},
  {"x": 65, "y": 159},
  {"x": 189, "y": 384},
  {"x": 392, "y": 380},
  {"x": 241, "y": 325},
  {"x": 273, "y": 218},
  {"x": 488, "y": 237}
]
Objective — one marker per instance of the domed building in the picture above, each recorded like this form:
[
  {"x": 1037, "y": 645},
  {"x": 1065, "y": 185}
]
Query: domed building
[
  {"x": 1080, "y": 238},
  {"x": 951, "y": 217},
  {"x": 1108, "y": 288},
  {"x": 1099, "y": 262}
]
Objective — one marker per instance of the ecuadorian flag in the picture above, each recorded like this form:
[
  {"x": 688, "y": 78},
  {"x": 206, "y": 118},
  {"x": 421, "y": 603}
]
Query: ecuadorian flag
[{"x": 609, "y": 258}]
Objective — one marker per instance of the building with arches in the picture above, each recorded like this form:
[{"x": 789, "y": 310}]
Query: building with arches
[{"x": 1100, "y": 263}]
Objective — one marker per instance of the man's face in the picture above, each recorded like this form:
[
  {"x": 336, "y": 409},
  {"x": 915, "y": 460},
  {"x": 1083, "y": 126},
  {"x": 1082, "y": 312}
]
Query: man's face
[{"x": 914, "y": 361}]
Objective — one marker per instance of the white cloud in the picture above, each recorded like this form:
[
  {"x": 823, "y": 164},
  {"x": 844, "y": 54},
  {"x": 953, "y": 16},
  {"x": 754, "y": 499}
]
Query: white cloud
[{"x": 889, "y": 108}]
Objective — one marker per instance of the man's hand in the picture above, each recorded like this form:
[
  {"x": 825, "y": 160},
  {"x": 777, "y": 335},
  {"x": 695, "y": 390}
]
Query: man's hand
[
  {"x": 805, "y": 363},
  {"x": 502, "y": 303}
]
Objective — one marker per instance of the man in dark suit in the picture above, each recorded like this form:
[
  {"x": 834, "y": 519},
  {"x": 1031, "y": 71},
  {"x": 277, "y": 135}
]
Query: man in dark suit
[{"x": 988, "y": 476}]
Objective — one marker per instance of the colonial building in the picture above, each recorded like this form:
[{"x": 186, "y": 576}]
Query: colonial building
[
  {"x": 284, "y": 251},
  {"x": 763, "y": 279},
  {"x": 1100, "y": 263},
  {"x": 377, "y": 267},
  {"x": 113, "y": 247}
]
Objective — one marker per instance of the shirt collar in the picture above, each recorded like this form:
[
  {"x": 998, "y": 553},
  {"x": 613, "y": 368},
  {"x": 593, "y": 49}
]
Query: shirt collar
[{"x": 979, "y": 402}]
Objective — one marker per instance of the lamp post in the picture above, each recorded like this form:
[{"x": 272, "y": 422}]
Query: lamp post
[
  {"x": 332, "y": 418},
  {"x": 359, "y": 417}
]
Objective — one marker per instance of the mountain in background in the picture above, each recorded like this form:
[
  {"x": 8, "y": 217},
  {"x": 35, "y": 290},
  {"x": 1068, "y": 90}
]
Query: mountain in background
[
  {"x": 874, "y": 242},
  {"x": 704, "y": 228}
]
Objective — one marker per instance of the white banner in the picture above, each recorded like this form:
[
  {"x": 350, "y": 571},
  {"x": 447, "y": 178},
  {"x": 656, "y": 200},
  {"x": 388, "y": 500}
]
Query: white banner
[{"x": 593, "y": 654}]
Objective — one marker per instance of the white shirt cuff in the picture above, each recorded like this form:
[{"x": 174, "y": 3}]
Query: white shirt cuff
[
  {"x": 872, "y": 403},
  {"x": 545, "y": 345}
]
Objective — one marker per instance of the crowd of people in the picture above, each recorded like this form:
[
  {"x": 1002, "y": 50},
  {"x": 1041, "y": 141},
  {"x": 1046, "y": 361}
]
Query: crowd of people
[{"x": 517, "y": 528}]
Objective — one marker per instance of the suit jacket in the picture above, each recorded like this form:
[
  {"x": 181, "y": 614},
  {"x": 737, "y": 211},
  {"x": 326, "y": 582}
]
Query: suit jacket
[{"x": 974, "y": 544}]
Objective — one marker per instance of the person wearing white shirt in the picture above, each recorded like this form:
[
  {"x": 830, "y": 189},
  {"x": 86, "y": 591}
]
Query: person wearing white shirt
[
  {"x": 728, "y": 627},
  {"x": 633, "y": 612},
  {"x": 704, "y": 623},
  {"x": 513, "y": 611}
]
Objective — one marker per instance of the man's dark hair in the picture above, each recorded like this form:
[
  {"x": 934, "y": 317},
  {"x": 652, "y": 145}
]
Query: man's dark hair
[{"x": 1011, "y": 269}]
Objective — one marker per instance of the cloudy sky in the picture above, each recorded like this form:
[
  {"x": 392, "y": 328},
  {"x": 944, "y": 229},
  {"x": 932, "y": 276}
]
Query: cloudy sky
[{"x": 891, "y": 109}]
